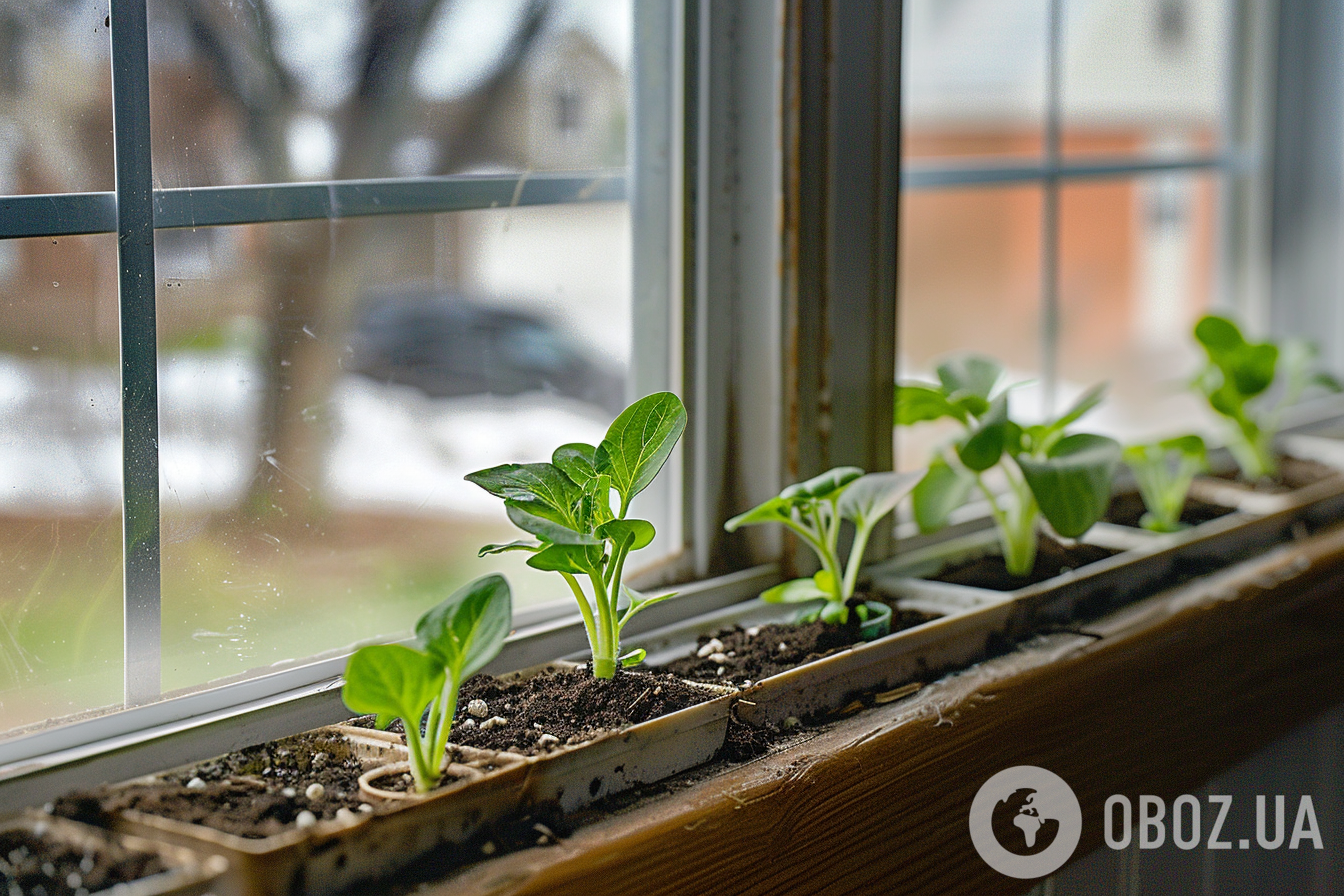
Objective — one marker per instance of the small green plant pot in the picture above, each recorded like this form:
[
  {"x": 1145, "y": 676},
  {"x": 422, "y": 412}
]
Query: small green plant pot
[{"x": 878, "y": 623}]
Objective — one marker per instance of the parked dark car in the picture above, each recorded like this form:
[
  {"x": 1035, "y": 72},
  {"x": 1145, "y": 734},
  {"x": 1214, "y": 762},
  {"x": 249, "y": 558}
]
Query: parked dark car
[{"x": 447, "y": 345}]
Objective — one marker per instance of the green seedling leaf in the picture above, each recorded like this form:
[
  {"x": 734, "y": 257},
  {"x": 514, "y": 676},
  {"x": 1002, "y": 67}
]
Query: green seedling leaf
[
  {"x": 1191, "y": 446},
  {"x": 825, "y": 581},
  {"x": 633, "y": 601},
  {"x": 870, "y": 497},
  {"x": 595, "y": 505},
  {"x": 519, "y": 545},
  {"x": 1252, "y": 368},
  {"x": 570, "y": 558},
  {"x": 916, "y": 403},
  {"x": 578, "y": 461},
  {"x": 823, "y": 486},
  {"x": 634, "y": 657},
  {"x": 640, "y": 531},
  {"x": 527, "y": 516},
  {"x": 466, "y": 630},
  {"x": 1072, "y": 485},
  {"x": 776, "y": 510},
  {"x": 639, "y": 441},
  {"x": 794, "y": 592},
  {"x": 835, "y": 612},
  {"x": 942, "y": 490},
  {"x": 986, "y": 445},
  {"x": 1218, "y": 334},
  {"x": 543, "y": 483},
  {"x": 969, "y": 375},
  {"x": 392, "y": 681}
]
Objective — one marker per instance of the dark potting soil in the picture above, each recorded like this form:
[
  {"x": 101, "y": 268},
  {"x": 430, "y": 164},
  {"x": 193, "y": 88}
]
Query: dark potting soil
[
  {"x": 34, "y": 864},
  {"x": 255, "y": 792},
  {"x": 570, "y": 705},
  {"x": 749, "y": 654},
  {"x": 1294, "y": 473},
  {"x": 1127, "y": 509},
  {"x": 1052, "y": 558}
]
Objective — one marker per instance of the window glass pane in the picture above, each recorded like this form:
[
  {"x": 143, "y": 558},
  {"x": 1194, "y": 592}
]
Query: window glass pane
[
  {"x": 55, "y": 97},
  {"x": 60, "y": 479},
  {"x": 970, "y": 282},
  {"x": 275, "y": 91},
  {"x": 974, "y": 77},
  {"x": 325, "y": 388},
  {"x": 1136, "y": 271},
  {"x": 1145, "y": 77}
]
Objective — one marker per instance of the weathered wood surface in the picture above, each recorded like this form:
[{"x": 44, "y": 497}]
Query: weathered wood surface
[{"x": 1175, "y": 689}]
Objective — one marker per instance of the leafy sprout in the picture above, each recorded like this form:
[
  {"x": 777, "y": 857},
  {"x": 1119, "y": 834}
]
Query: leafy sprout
[
  {"x": 814, "y": 510},
  {"x": 565, "y": 505},
  {"x": 1065, "y": 477},
  {"x": 456, "y": 638},
  {"x": 1164, "y": 471},
  {"x": 1251, "y": 384}
]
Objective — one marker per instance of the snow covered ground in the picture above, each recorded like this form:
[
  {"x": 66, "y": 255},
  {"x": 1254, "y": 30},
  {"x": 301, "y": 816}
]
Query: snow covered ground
[{"x": 393, "y": 449}]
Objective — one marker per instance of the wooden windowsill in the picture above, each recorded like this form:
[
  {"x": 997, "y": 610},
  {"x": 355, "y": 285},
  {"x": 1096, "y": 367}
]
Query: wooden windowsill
[{"x": 1157, "y": 698}]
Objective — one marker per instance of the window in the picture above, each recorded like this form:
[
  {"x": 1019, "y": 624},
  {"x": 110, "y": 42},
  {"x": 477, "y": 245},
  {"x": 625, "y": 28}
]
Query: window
[
  {"x": 361, "y": 256},
  {"x": 1073, "y": 175}
]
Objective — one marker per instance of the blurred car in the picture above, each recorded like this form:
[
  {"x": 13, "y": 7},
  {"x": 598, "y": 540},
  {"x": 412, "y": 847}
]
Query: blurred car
[{"x": 447, "y": 345}]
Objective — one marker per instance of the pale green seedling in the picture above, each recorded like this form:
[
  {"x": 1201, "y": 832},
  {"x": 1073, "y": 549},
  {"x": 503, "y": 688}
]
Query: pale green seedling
[
  {"x": 1164, "y": 471},
  {"x": 566, "y": 506},
  {"x": 814, "y": 510},
  {"x": 393, "y": 681}
]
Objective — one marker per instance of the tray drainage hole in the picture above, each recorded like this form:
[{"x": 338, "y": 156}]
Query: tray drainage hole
[{"x": 595, "y": 787}]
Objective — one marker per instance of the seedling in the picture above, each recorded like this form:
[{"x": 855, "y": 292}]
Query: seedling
[
  {"x": 1237, "y": 379},
  {"x": 457, "y": 638},
  {"x": 1066, "y": 477},
  {"x": 814, "y": 510},
  {"x": 1164, "y": 471},
  {"x": 566, "y": 506}
]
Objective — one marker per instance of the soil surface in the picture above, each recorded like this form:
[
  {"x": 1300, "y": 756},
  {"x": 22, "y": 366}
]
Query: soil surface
[
  {"x": 746, "y": 655},
  {"x": 34, "y": 864},
  {"x": 1127, "y": 510},
  {"x": 569, "y": 705},
  {"x": 1052, "y": 558},
  {"x": 1294, "y": 473},
  {"x": 257, "y": 792}
]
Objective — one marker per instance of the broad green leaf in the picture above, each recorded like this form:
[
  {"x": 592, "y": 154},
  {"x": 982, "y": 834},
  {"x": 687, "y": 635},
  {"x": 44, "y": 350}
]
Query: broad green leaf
[
  {"x": 870, "y": 497},
  {"x": 595, "y": 505},
  {"x": 527, "y": 516},
  {"x": 1252, "y": 368},
  {"x": 835, "y": 612},
  {"x": 825, "y": 581},
  {"x": 392, "y": 681},
  {"x": 545, "y": 483},
  {"x": 1072, "y": 485},
  {"x": 776, "y": 510},
  {"x": 917, "y": 402},
  {"x": 570, "y": 558},
  {"x": 1191, "y": 446},
  {"x": 634, "y": 657},
  {"x": 969, "y": 375},
  {"x": 641, "y": 531},
  {"x": 519, "y": 545},
  {"x": 986, "y": 445},
  {"x": 822, "y": 486},
  {"x": 639, "y": 442},
  {"x": 973, "y": 405},
  {"x": 794, "y": 592},
  {"x": 577, "y": 460},
  {"x": 942, "y": 490},
  {"x": 1218, "y": 334},
  {"x": 467, "y": 629}
]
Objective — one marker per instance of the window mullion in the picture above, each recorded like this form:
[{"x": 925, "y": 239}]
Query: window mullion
[{"x": 139, "y": 352}]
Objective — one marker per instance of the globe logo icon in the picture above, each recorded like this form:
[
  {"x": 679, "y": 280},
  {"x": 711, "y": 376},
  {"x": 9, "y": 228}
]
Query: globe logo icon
[
  {"x": 1025, "y": 822},
  {"x": 1018, "y": 825}
]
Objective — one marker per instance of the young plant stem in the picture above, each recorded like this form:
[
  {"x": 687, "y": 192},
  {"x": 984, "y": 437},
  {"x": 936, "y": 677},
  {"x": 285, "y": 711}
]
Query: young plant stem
[
  {"x": 861, "y": 534},
  {"x": 589, "y": 625},
  {"x": 1016, "y": 523},
  {"x": 446, "y": 707},
  {"x": 604, "y": 651}
]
